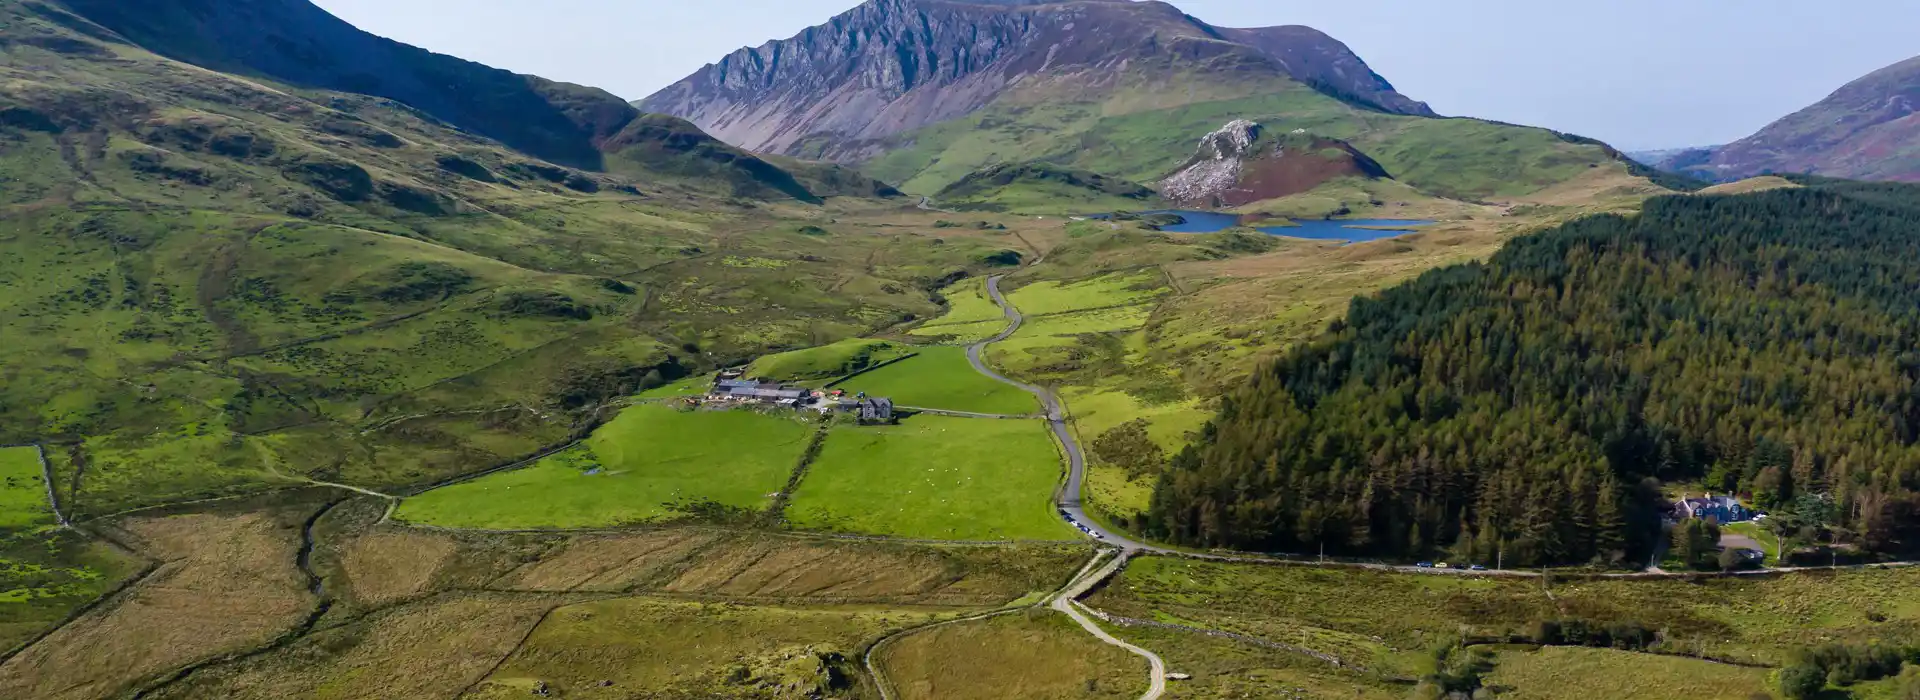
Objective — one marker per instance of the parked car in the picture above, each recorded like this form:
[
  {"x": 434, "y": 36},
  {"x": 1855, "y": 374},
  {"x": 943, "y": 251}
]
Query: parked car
[
  {"x": 1443, "y": 565},
  {"x": 1476, "y": 567},
  {"x": 1425, "y": 565}
]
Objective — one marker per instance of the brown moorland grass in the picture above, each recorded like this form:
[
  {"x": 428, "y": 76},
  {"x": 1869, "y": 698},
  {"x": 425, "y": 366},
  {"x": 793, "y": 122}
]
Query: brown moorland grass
[
  {"x": 433, "y": 648},
  {"x": 1570, "y": 673},
  {"x": 1224, "y": 669},
  {"x": 1387, "y": 620},
  {"x": 389, "y": 566},
  {"x": 227, "y": 584},
  {"x": 651, "y": 648},
  {"x": 700, "y": 562},
  {"x": 1037, "y": 654}
]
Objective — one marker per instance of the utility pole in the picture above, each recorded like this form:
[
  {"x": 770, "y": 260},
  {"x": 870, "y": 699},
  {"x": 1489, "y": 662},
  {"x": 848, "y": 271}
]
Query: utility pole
[
  {"x": 1500, "y": 559},
  {"x": 1323, "y": 551}
]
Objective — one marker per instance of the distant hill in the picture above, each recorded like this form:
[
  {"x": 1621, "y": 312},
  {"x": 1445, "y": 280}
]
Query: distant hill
[
  {"x": 1243, "y": 163},
  {"x": 296, "y": 43},
  {"x": 1869, "y": 129},
  {"x": 1028, "y": 187},
  {"x": 921, "y": 93}
]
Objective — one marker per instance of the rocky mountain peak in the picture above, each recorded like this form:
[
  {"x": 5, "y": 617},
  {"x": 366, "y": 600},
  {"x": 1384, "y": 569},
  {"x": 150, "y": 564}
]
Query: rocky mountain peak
[{"x": 893, "y": 66}]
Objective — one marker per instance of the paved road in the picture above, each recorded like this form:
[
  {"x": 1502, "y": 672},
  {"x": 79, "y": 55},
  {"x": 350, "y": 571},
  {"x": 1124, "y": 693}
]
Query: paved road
[
  {"x": 1069, "y": 500},
  {"x": 1068, "y": 602}
]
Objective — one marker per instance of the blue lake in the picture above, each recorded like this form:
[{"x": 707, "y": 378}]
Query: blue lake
[{"x": 1327, "y": 230}]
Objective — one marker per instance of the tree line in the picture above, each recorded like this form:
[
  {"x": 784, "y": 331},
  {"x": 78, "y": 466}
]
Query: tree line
[{"x": 1528, "y": 409}]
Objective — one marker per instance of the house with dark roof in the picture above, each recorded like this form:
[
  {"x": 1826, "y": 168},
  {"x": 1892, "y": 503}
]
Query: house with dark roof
[
  {"x": 876, "y": 410},
  {"x": 1716, "y": 509}
]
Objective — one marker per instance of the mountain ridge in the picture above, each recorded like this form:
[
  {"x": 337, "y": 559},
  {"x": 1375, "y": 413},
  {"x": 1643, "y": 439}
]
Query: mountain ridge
[
  {"x": 891, "y": 66},
  {"x": 1867, "y": 129}
]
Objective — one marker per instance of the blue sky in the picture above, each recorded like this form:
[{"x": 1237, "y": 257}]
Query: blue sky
[{"x": 1636, "y": 73}]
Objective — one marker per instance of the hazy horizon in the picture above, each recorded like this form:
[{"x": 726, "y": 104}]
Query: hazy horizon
[{"x": 1639, "y": 74}]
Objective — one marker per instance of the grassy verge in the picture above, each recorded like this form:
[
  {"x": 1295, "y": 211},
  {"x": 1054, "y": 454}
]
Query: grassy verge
[
  {"x": 935, "y": 477},
  {"x": 650, "y": 463}
]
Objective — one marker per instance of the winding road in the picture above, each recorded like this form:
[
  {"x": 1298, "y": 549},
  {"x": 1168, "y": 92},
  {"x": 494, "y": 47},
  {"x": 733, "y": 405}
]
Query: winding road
[
  {"x": 1069, "y": 499},
  {"x": 1066, "y": 600}
]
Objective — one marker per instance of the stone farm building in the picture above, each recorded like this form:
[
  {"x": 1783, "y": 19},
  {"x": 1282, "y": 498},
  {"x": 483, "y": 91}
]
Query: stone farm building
[{"x": 736, "y": 390}]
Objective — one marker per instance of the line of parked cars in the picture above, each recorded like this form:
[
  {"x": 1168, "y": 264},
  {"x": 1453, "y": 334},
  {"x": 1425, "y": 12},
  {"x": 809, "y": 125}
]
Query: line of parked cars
[
  {"x": 1444, "y": 565},
  {"x": 1064, "y": 515}
]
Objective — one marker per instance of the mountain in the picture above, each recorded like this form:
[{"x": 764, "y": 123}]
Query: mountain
[
  {"x": 892, "y": 66},
  {"x": 922, "y": 93},
  {"x": 1868, "y": 129},
  {"x": 299, "y": 44},
  {"x": 1752, "y": 343},
  {"x": 1243, "y": 163}
]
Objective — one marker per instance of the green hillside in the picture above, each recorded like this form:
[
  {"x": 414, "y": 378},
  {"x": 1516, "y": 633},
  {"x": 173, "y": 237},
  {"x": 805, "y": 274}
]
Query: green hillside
[
  {"x": 1043, "y": 188},
  {"x": 1133, "y": 132},
  {"x": 1750, "y": 344},
  {"x": 216, "y": 283}
]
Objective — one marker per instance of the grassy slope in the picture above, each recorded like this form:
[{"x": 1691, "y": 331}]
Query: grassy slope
[
  {"x": 220, "y": 285},
  {"x": 645, "y": 462},
  {"x": 23, "y": 491},
  {"x": 828, "y": 361},
  {"x": 1119, "y": 133},
  {"x": 940, "y": 377},
  {"x": 934, "y": 477}
]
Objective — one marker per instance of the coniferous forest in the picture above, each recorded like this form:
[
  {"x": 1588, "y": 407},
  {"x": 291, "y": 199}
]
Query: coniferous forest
[{"x": 1530, "y": 407}]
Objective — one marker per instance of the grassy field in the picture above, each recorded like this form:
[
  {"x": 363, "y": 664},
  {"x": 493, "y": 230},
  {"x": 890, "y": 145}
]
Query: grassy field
[
  {"x": 940, "y": 377},
  {"x": 227, "y": 584},
  {"x": 1038, "y": 655},
  {"x": 934, "y": 477},
  {"x": 1564, "y": 673},
  {"x": 23, "y": 490},
  {"x": 1043, "y": 298},
  {"x": 684, "y": 649},
  {"x": 433, "y": 648},
  {"x": 967, "y": 302},
  {"x": 828, "y": 361},
  {"x": 960, "y": 333},
  {"x": 649, "y": 463}
]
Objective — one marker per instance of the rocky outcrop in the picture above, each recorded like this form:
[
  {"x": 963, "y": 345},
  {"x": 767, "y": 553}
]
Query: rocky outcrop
[
  {"x": 892, "y": 66},
  {"x": 1869, "y": 129},
  {"x": 1240, "y": 164}
]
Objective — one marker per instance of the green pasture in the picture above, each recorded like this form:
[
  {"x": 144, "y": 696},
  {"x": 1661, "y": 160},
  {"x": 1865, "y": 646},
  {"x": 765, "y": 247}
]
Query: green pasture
[
  {"x": 934, "y": 477},
  {"x": 650, "y": 463},
  {"x": 940, "y": 377}
]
